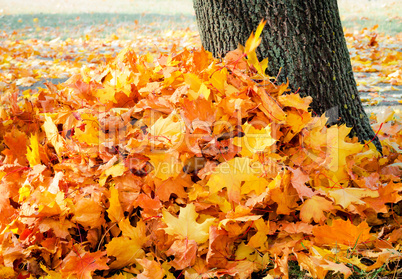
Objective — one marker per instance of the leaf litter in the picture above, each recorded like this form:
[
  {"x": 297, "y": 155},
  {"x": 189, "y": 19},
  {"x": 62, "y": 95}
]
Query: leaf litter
[{"x": 176, "y": 164}]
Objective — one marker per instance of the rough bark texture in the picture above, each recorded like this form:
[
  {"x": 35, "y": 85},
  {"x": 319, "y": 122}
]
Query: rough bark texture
[{"x": 303, "y": 38}]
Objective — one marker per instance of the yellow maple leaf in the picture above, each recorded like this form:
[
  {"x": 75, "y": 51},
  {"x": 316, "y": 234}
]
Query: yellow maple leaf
[
  {"x": 258, "y": 185},
  {"x": 314, "y": 208},
  {"x": 339, "y": 149},
  {"x": 347, "y": 196},
  {"x": 134, "y": 237},
  {"x": 295, "y": 101},
  {"x": 33, "y": 155},
  {"x": 90, "y": 134},
  {"x": 105, "y": 94},
  {"x": 126, "y": 251},
  {"x": 186, "y": 224},
  {"x": 136, "y": 233},
  {"x": 117, "y": 80},
  {"x": 115, "y": 211},
  {"x": 251, "y": 45},
  {"x": 230, "y": 175},
  {"x": 219, "y": 79},
  {"x": 260, "y": 238},
  {"x": 115, "y": 171},
  {"x": 254, "y": 140},
  {"x": 167, "y": 131},
  {"x": 52, "y": 135},
  {"x": 254, "y": 40},
  {"x": 166, "y": 165}
]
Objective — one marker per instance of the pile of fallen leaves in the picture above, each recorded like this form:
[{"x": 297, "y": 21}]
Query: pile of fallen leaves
[{"x": 183, "y": 166}]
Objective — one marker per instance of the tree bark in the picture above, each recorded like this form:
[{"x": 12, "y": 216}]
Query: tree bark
[{"x": 303, "y": 41}]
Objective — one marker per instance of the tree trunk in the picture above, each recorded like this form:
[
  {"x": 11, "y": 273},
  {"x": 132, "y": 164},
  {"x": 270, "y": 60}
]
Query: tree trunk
[{"x": 303, "y": 40}]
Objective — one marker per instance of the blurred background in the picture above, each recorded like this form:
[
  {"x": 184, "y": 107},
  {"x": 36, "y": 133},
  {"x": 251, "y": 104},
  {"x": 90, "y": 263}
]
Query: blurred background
[{"x": 73, "y": 17}]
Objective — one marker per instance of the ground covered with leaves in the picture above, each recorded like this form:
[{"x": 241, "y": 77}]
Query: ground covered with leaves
[{"x": 178, "y": 165}]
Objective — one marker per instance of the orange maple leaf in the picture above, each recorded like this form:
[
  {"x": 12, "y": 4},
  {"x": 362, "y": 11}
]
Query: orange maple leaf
[{"x": 84, "y": 264}]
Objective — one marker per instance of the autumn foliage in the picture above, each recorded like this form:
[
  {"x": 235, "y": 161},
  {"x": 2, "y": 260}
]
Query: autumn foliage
[{"x": 185, "y": 166}]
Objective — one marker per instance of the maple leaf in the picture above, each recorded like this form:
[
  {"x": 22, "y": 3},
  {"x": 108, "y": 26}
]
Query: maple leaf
[
  {"x": 318, "y": 268},
  {"x": 85, "y": 264},
  {"x": 260, "y": 238},
  {"x": 184, "y": 252},
  {"x": 90, "y": 133},
  {"x": 165, "y": 188},
  {"x": 186, "y": 224},
  {"x": 50, "y": 273},
  {"x": 219, "y": 247},
  {"x": 298, "y": 227},
  {"x": 339, "y": 149},
  {"x": 16, "y": 142},
  {"x": 387, "y": 194},
  {"x": 342, "y": 232},
  {"x": 250, "y": 47},
  {"x": 33, "y": 155},
  {"x": 285, "y": 196},
  {"x": 299, "y": 180},
  {"x": 313, "y": 209},
  {"x": 269, "y": 105},
  {"x": 167, "y": 131},
  {"x": 59, "y": 227},
  {"x": 166, "y": 165},
  {"x": 137, "y": 233},
  {"x": 254, "y": 40},
  {"x": 236, "y": 226},
  {"x": 198, "y": 113},
  {"x": 219, "y": 79},
  {"x": 297, "y": 121},
  {"x": 88, "y": 213},
  {"x": 295, "y": 101},
  {"x": 150, "y": 206},
  {"x": 384, "y": 256},
  {"x": 259, "y": 185},
  {"x": 115, "y": 170},
  {"x": 254, "y": 140},
  {"x": 230, "y": 175},
  {"x": 115, "y": 212},
  {"x": 197, "y": 87},
  {"x": 52, "y": 135},
  {"x": 346, "y": 197},
  {"x": 126, "y": 251},
  {"x": 152, "y": 269}
]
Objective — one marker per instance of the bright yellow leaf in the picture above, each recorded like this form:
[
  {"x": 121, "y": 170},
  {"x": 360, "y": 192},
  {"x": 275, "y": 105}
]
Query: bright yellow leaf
[
  {"x": 230, "y": 175},
  {"x": 254, "y": 140},
  {"x": 186, "y": 224},
  {"x": 115, "y": 211},
  {"x": 33, "y": 155},
  {"x": 125, "y": 251}
]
